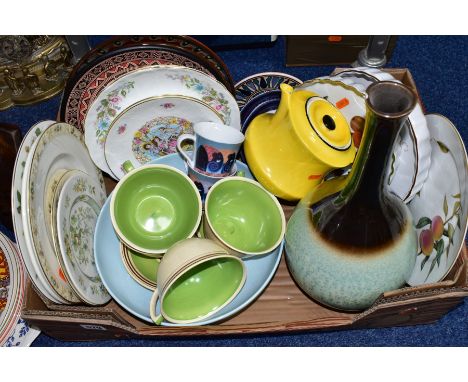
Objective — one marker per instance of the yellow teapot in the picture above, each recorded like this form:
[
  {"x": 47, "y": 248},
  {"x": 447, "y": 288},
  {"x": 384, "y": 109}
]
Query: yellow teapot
[{"x": 291, "y": 151}]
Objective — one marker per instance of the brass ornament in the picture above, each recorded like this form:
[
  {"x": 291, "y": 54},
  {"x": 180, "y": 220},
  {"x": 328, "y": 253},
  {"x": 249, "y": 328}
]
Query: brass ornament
[{"x": 32, "y": 68}]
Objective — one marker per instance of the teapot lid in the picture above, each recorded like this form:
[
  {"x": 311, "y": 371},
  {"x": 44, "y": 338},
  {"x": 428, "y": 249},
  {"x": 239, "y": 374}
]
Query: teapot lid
[{"x": 322, "y": 128}]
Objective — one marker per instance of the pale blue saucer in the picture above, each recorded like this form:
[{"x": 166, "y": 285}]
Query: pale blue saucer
[{"x": 135, "y": 299}]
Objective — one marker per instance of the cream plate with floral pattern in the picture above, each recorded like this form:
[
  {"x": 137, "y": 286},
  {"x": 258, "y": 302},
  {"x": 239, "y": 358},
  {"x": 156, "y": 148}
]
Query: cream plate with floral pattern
[
  {"x": 78, "y": 206},
  {"x": 61, "y": 146},
  {"x": 149, "y": 129},
  {"x": 36, "y": 274},
  {"x": 150, "y": 82},
  {"x": 440, "y": 209}
]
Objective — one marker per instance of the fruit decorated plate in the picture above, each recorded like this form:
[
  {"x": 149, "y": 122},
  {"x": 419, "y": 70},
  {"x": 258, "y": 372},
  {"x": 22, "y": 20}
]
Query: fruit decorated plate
[{"x": 440, "y": 208}]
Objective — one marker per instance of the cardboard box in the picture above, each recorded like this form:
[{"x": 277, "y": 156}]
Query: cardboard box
[{"x": 282, "y": 307}]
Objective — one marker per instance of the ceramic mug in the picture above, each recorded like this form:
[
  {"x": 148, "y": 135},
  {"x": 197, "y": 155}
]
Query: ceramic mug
[
  {"x": 153, "y": 207},
  {"x": 196, "y": 278},
  {"x": 215, "y": 148},
  {"x": 204, "y": 182},
  {"x": 243, "y": 217}
]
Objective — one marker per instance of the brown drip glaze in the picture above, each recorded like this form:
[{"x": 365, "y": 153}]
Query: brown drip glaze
[{"x": 364, "y": 215}]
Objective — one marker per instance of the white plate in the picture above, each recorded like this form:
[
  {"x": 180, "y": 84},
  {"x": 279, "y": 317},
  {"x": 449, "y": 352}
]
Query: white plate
[
  {"x": 151, "y": 82},
  {"x": 60, "y": 146},
  {"x": 444, "y": 194},
  {"x": 78, "y": 206},
  {"x": 149, "y": 129},
  {"x": 33, "y": 267}
]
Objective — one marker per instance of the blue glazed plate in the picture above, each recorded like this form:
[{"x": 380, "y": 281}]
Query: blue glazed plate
[{"x": 136, "y": 299}]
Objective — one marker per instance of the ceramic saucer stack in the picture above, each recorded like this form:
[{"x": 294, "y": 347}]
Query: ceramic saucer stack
[
  {"x": 13, "y": 330},
  {"x": 57, "y": 194}
]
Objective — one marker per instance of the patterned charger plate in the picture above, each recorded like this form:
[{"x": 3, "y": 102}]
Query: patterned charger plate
[
  {"x": 86, "y": 88},
  {"x": 184, "y": 45}
]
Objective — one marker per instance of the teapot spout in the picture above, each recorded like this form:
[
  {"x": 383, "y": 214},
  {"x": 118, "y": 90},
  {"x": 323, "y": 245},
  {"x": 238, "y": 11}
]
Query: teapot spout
[{"x": 283, "y": 108}]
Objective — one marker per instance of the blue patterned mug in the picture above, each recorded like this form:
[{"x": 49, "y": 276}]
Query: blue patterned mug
[
  {"x": 215, "y": 147},
  {"x": 204, "y": 182}
]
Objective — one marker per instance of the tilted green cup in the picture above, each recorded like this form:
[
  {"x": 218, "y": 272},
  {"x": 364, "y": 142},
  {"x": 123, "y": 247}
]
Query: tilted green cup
[
  {"x": 196, "y": 278},
  {"x": 154, "y": 207},
  {"x": 243, "y": 217}
]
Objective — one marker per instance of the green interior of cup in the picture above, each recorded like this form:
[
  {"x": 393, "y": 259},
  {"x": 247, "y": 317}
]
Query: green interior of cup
[
  {"x": 145, "y": 265},
  {"x": 203, "y": 289},
  {"x": 156, "y": 207},
  {"x": 244, "y": 216}
]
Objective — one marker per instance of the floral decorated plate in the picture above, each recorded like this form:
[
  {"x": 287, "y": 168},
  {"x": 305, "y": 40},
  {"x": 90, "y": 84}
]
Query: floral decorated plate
[
  {"x": 134, "y": 298},
  {"x": 259, "y": 83},
  {"x": 151, "y": 82},
  {"x": 12, "y": 286},
  {"x": 411, "y": 157},
  {"x": 36, "y": 274},
  {"x": 60, "y": 146},
  {"x": 149, "y": 129},
  {"x": 79, "y": 203},
  {"x": 440, "y": 208},
  {"x": 88, "y": 86}
]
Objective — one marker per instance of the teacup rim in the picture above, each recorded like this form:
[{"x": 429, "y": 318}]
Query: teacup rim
[
  {"x": 237, "y": 139},
  {"x": 275, "y": 200},
  {"x": 173, "y": 278},
  {"x": 122, "y": 181}
]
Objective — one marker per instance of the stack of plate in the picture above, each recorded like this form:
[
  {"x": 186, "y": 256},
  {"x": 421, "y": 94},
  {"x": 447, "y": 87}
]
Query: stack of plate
[
  {"x": 13, "y": 330},
  {"x": 57, "y": 194},
  {"x": 133, "y": 97}
]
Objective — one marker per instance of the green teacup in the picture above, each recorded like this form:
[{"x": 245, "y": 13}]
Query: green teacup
[
  {"x": 243, "y": 217},
  {"x": 154, "y": 207},
  {"x": 196, "y": 278},
  {"x": 143, "y": 269}
]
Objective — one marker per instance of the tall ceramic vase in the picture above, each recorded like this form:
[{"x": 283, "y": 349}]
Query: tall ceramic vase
[{"x": 347, "y": 249}]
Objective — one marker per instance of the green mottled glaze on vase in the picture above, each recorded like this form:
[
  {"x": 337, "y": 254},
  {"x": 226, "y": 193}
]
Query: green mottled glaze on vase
[{"x": 348, "y": 281}]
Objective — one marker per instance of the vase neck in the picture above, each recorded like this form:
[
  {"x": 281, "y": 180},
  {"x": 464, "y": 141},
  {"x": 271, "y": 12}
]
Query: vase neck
[
  {"x": 387, "y": 111},
  {"x": 363, "y": 215}
]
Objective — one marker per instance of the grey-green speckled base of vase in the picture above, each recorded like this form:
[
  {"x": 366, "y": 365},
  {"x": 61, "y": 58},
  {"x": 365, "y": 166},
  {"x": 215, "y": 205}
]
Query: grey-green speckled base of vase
[{"x": 343, "y": 280}]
